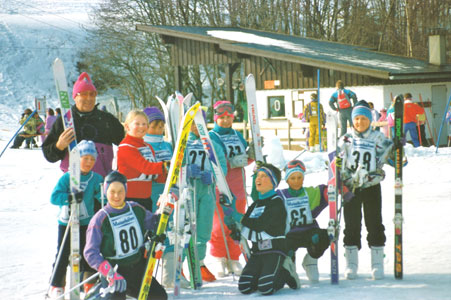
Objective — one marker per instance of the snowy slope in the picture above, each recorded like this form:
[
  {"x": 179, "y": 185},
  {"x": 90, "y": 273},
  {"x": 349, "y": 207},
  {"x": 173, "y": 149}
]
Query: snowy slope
[{"x": 32, "y": 35}]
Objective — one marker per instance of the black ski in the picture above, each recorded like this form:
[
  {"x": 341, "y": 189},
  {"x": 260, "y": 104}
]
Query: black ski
[{"x": 399, "y": 134}]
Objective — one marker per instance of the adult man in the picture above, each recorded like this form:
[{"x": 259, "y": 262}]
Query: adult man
[
  {"x": 341, "y": 101},
  {"x": 412, "y": 114},
  {"x": 90, "y": 124}
]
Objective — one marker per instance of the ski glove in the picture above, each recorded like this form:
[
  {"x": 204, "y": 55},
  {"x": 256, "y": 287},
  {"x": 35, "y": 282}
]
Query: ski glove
[
  {"x": 193, "y": 171},
  {"x": 238, "y": 161},
  {"x": 338, "y": 162},
  {"x": 114, "y": 279},
  {"x": 231, "y": 216},
  {"x": 78, "y": 197},
  {"x": 207, "y": 177},
  {"x": 251, "y": 151}
]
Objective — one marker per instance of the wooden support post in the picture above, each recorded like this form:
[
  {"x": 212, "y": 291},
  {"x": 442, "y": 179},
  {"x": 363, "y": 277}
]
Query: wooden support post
[
  {"x": 289, "y": 134},
  {"x": 178, "y": 78}
]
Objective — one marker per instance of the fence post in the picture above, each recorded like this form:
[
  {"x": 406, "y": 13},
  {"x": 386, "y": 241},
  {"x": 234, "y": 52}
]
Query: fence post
[{"x": 289, "y": 134}]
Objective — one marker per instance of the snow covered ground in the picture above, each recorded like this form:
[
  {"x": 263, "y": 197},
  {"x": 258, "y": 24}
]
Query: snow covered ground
[
  {"x": 33, "y": 33},
  {"x": 28, "y": 227}
]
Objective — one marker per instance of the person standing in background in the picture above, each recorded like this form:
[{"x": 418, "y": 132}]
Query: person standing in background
[{"x": 342, "y": 101}]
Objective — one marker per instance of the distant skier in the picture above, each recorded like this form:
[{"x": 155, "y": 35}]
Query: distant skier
[
  {"x": 311, "y": 112},
  {"x": 361, "y": 155},
  {"x": 62, "y": 197},
  {"x": 342, "y": 101},
  {"x": 90, "y": 124},
  {"x": 303, "y": 205},
  {"x": 115, "y": 236}
]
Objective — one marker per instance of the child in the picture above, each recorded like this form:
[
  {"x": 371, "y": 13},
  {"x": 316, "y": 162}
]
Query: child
[
  {"x": 362, "y": 154},
  {"x": 136, "y": 160},
  {"x": 311, "y": 115},
  {"x": 163, "y": 150},
  {"x": 234, "y": 146},
  {"x": 268, "y": 268},
  {"x": 61, "y": 195},
  {"x": 115, "y": 236},
  {"x": 303, "y": 205}
]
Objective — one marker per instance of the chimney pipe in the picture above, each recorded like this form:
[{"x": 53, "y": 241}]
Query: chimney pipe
[{"x": 437, "y": 49}]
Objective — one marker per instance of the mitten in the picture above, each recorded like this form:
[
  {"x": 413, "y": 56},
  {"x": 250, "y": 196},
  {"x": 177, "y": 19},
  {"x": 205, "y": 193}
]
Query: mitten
[
  {"x": 193, "y": 171},
  {"x": 78, "y": 197},
  {"x": 114, "y": 279},
  {"x": 207, "y": 177}
]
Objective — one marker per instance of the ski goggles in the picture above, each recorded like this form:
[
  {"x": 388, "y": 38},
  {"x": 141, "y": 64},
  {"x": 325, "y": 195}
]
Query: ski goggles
[
  {"x": 225, "y": 108},
  {"x": 293, "y": 167}
]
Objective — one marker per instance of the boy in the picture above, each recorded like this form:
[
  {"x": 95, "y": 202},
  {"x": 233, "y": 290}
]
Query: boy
[
  {"x": 61, "y": 196},
  {"x": 115, "y": 236},
  {"x": 303, "y": 205},
  {"x": 361, "y": 155},
  {"x": 264, "y": 223}
]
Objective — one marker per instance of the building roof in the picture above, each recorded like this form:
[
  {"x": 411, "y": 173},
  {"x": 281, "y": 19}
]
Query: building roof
[{"x": 316, "y": 53}]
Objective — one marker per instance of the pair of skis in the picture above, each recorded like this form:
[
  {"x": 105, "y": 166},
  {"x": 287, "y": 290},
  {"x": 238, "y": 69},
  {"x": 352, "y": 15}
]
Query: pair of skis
[{"x": 74, "y": 170}]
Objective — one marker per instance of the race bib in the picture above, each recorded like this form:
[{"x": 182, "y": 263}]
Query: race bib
[
  {"x": 197, "y": 156},
  {"x": 127, "y": 234},
  {"x": 363, "y": 153},
  {"x": 257, "y": 212},
  {"x": 298, "y": 209},
  {"x": 233, "y": 145}
]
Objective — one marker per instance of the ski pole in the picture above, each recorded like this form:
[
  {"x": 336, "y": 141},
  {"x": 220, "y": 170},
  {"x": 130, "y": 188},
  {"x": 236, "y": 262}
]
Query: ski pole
[
  {"x": 221, "y": 225},
  {"x": 17, "y": 132},
  {"x": 427, "y": 121},
  {"x": 81, "y": 283},
  {"x": 60, "y": 251}
]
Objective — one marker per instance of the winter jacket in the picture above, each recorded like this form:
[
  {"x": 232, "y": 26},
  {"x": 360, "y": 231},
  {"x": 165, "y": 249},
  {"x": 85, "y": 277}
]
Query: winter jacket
[
  {"x": 136, "y": 160},
  {"x": 411, "y": 110},
  {"x": 334, "y": 99},
  {"x": 362, "y": 153},
  {"x": 98, "y": 126}
]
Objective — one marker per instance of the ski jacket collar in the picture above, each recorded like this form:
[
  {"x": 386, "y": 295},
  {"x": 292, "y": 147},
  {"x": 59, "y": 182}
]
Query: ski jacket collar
[
  {"x": 83, "y": 114},
  {"x": 153, "y": 138},
  {"x": 363, "y": 135},
  {"x": 222, "y": 130},
  {"x": 296, "y": 193},
  {"x": 266, "y": 195}
]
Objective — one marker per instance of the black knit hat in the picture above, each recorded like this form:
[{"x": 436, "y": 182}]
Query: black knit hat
[{"x": 112, "y": 177}]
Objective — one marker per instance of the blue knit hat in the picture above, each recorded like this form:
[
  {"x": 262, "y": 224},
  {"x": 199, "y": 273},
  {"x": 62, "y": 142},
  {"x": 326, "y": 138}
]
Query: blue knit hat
[
  {"x": 153, "y": 113},
  {"x": 272, "y": 172},
  {"x": 293, "y": 167},
  {"x": 87, "y": 148},
  {"x": 362, "y": 108},
  {"x": 112, "y": 177}
]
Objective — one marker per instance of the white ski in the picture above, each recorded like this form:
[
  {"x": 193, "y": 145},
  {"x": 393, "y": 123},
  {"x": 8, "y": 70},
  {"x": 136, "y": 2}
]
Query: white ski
[{"x": 253, "y": 117}]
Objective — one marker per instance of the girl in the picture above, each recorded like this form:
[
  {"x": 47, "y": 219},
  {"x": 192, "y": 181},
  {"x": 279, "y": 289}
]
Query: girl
[
  {"x": 303, "y": 205},
  {"x": 115, "y": 236},
  {"x": 136, "y": 160},
  {"x": 61, "y": 196},
  {"x": 362, "y": 154},
  {"x": 163, "y": 150},
  {"x": 264, "y": 223},
  {"x": 234, "y": 147}
]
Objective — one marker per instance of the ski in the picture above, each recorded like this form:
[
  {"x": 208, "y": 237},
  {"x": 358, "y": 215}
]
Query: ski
[
  {"x": 399, "y": 134},
  {"x": 164, "y": 108},
  {"x": 221, "y": 182},
  {"x": 253, "y": 117},
  {"x": 165, "y": 199},
  {"x": 74, "y": 171},
  {"x": 332, "y": 193},
  {"x": 192, "y": 253}
]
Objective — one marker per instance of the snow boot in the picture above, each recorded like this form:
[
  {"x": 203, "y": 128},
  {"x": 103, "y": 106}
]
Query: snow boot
[
  {"x": 377, "y": 262},
  {"x": 352, "y": 261},
  {"x": 316, "y": 148},
  {"x": 310, "y": 266},
  {"x": 219, "y": 266},
  {"x": 205, "y": 273},
  {"x": 55, "y": 292},
  {"x": 169, "y": 272},
  {"x": 293, "y": 278},
  {"x": 234, "y": 266}
]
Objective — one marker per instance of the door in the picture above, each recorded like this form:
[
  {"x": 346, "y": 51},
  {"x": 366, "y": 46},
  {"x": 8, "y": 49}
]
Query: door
[{"x": 439, "y": 101}]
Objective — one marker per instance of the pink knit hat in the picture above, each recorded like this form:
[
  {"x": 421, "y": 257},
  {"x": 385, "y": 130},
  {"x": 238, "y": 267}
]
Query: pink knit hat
[
  {"x": 83, "y": 84},
  {"x": 223, "y": 108}
]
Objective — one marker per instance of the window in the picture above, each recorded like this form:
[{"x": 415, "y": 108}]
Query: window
[{"x": 276, "y": 105}]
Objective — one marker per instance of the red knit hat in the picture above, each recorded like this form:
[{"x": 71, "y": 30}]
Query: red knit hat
[{"x": 83, "y": 84}]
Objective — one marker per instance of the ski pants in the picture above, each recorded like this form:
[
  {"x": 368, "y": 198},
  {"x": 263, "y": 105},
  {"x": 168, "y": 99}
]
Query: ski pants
[
  {"x": 411, "y": 128},
  {"x": 133, "y": 274},
  {"x": 235, "y": 179},
  {"x": 60, "y": 269},
  {"x": 315, "y": 240},
  {"x": 313, "y": 131},
  {"x": 263, "y": 273},
  {"x": 371, "y": 200},
  {"x": 345, "y": 119}
]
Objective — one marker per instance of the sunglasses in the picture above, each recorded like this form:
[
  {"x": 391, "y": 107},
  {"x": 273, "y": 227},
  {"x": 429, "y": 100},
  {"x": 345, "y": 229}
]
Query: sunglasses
[
  {"x": 224, "y": 108},
  {"x": 296, "y": 163}
]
